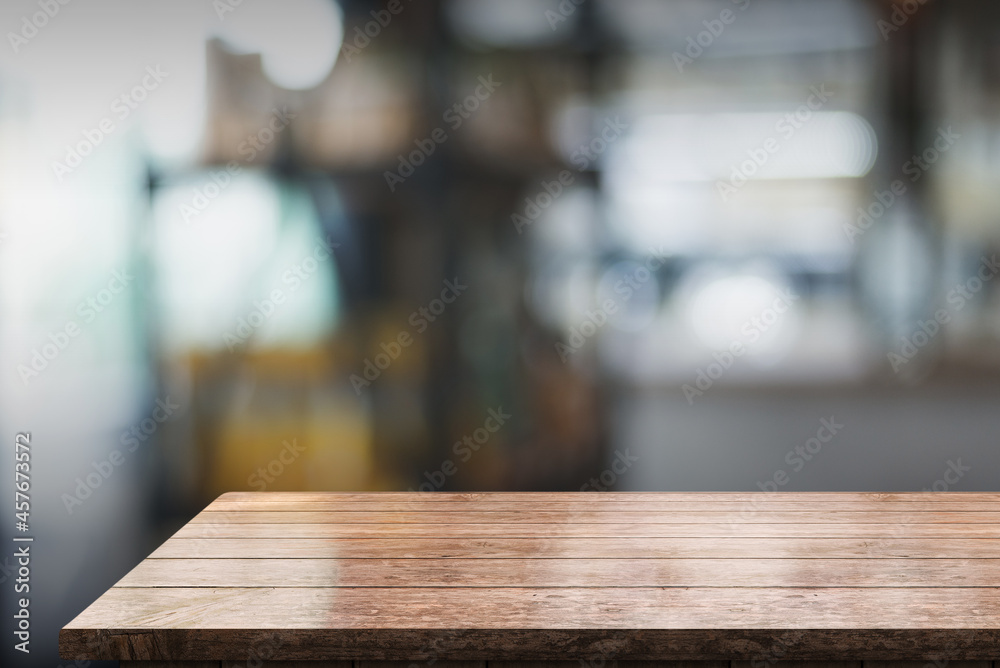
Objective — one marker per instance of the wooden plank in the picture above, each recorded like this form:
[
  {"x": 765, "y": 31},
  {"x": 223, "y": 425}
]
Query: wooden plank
[
  {"x": 924, "y": 664},
  {"x": 253, "y": 662},
  {"x": 435, "y": 663},
  {"x": 540, "y": 623},
  {"x": 594, "y": 517},
  {"x": 578, "y": 548},
  {"x": 607, "y": 608},
  {"x": 597, "y": 578},
  {"x": 760, "y": 503},
  {"x": 585, "y": 646},
  {"x": 770, "y": 661},
  {"x": 609, "y": 661},
  {"x": 488, "y": 573},
  {"x": 587, "y": 530},
  {"x": 171, "y": 664},
  {"x": 983, "y": 498}
]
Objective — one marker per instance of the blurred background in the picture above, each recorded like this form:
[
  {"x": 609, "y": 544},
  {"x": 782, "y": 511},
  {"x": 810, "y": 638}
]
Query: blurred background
[{"x": 473, "y": 245}]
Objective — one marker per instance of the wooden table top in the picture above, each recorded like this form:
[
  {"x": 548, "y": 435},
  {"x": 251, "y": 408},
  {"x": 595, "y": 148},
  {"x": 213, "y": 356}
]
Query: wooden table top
[{"x": 519, "y": 576}]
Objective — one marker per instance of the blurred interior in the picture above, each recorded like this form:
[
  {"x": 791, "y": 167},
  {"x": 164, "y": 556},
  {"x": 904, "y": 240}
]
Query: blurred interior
[{"x": 617, "y": 153}]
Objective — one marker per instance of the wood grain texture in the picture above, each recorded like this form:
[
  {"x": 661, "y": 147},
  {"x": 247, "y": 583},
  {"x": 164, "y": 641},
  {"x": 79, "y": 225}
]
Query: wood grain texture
[
  {"x": 172, "y": 664},
  {"x": 774, "y": 663},
  {"x": 746, "y": 504},
  {"x": 611, "y": 662},
  {"x": 436, "y": 664},
  {"x": 551, "y": 664},
  {"x": 566, "y": 573},
  {"x": 254, "y": 662},
  {"x": 763, "y": 578},
  {"x": 555, "y": 529},
  {"x": 554, "y": 664},
  {"x": 595, "y": 501},
  {"x": 545, "y": 498},
  {"x": 587, "y": 645},
  {"x": 608, "y": 608},
  {"x": 923, "y": 664},
  {"x": 577, "y": 548},
  {"x": 548, "y": 517}
]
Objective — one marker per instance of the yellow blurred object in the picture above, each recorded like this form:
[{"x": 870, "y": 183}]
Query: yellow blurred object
[
  {"x": 278, "y": 433},
  {"x": 328, "y": 448}
]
